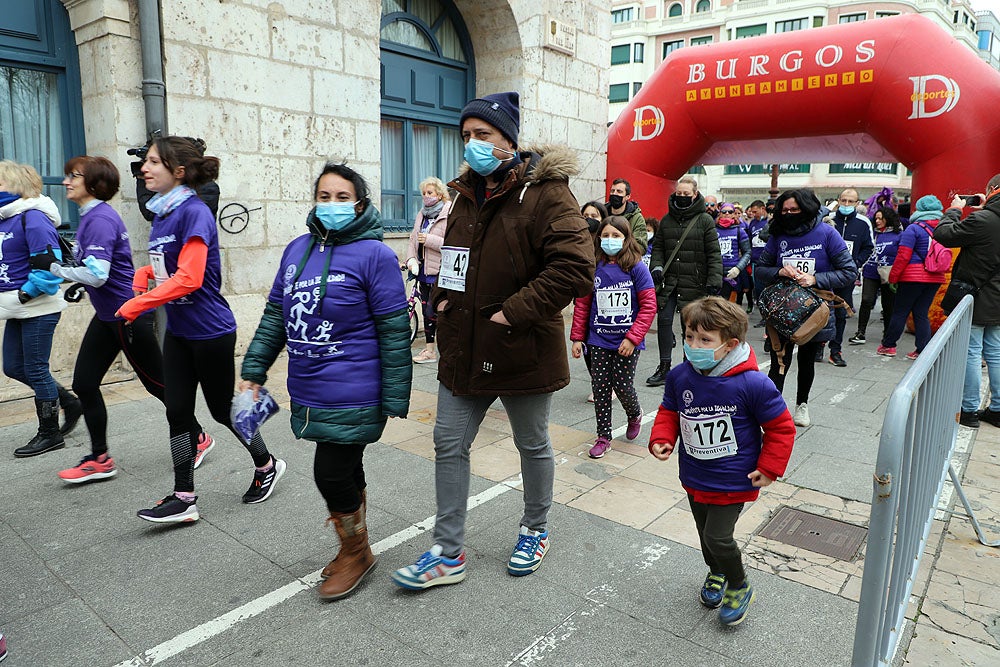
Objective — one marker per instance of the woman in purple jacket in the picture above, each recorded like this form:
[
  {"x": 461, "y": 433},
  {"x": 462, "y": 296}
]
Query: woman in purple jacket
[{"x": 887, "y": 231}]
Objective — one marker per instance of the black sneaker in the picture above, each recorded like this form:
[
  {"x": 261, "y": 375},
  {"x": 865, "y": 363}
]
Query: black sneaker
[
  {"x": 990, "y": 417},
  {"x": 819, "y": 353},
  {"x": 857, "y": 339},
  {"x": 969, "y": 419},
  {"x": 171, "y": 510},
  {"x": 263, "y": 483},
  {"x": 837, "y": 359}
]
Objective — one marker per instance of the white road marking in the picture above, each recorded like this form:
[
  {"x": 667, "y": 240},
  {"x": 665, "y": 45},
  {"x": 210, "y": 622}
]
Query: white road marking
[
  {"x": 562, "y": 631},
  {"x": 839, "y": 396},
  {"x": 257, "y": 606}
]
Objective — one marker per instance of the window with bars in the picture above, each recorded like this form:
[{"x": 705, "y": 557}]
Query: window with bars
[
  {"x": 670, "y": 47},
  {"x": 621, "y": 15},
  {"x": 852, "y": 18},
  {"x": 790, "y": 25}
]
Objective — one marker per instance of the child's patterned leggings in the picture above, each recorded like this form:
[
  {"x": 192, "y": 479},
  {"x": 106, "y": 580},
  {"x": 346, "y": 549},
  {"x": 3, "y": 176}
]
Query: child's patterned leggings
[{"x": 609, "y": 370}]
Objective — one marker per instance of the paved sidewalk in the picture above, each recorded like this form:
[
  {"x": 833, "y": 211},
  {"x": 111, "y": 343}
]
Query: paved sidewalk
[{"x": 87, "y": 583}]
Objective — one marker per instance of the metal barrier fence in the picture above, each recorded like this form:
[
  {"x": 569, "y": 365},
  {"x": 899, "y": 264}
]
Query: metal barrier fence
[{"x": 914, "y": 455}]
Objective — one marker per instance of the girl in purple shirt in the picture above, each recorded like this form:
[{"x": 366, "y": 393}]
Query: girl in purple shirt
[{"x": 103, "y": 267}]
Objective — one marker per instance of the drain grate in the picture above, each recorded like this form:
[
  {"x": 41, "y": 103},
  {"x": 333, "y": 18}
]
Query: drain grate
[{"x": 829, "y": 537}]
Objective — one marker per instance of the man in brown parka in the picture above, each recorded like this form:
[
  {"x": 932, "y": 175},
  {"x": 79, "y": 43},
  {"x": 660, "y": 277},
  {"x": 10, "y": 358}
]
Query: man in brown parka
[{"x": 516, "y": 252}]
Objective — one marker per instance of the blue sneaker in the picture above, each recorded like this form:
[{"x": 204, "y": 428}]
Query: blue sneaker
[
  {"x": 736, "y": 604},
  {"x": 713, "y": 590},
  {"x": 431, "y": 569},
  {"x": 529, "y": 552}
]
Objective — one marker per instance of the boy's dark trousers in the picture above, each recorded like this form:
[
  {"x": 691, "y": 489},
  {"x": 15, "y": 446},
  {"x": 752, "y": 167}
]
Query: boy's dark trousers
[{"x": 716, "y": 524}]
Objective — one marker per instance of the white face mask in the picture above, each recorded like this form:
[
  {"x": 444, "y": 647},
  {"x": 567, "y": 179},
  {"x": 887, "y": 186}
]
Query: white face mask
[{"x": 649, "y": 236}]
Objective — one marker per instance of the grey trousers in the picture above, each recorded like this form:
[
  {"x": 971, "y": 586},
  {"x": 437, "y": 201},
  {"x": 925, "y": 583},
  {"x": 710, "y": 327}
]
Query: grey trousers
[{"x": 458, "y": 421}]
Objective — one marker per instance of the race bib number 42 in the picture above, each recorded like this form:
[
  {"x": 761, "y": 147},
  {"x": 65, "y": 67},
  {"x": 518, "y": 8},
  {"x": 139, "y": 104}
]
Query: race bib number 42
[
  {"x": 454, "y": 266},
  {"x": 708, "y": 437}
]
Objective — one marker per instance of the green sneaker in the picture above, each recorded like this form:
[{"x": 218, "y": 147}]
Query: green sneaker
[
  {"x": 713, "y": 590},
  {"x": 735, "y": 605}
]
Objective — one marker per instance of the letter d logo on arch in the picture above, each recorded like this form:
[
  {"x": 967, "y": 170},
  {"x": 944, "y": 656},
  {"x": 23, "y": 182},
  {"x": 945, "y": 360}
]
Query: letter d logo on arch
[
  {"x": 648, "y": 124},
  {"x": 942, "y": 100}
]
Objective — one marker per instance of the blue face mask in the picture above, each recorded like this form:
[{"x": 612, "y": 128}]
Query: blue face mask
[
  {"x": 611, "y": 246},
  {"x": 479, "y": 155},
  {"x": 702, "y": 358},
  {"x": 336, "y": 215},
  {"x": 845, "y": 210}
]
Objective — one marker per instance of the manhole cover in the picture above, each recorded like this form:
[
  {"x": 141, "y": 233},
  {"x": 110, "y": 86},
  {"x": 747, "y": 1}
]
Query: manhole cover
[{"x": 815, "y": 533}]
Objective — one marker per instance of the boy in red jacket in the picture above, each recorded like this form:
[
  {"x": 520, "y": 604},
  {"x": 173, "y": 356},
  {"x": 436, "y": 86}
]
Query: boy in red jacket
[{"x": 718, "y": 404}]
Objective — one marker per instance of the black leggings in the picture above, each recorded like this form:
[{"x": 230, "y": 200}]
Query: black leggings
[
  {"x": 870, "y": 290},
  {"x": 807, "y": 369},
  {"x": 716, "y": 525},
  {"x": 101, "y": 344},
  {"x": 339, "y": 472},
  {"x": 209, "y": 363},
  {"x": 430, "y": 317}
]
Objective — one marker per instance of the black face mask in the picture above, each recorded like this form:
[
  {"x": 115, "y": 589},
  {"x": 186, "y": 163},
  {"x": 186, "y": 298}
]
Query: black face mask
[
  {"x": 593, "y": 224},
  {"x": 616, "y": 201},
  {"x": 793, "y": 220},
  {"x": 681, "y": 201}
]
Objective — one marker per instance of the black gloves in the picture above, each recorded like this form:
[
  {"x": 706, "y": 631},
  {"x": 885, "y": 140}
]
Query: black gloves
[
  {"x": 74, "y": 293},
  {"x": 23, "y": 297},
  {"x": 657, "y": 274},
  {"x": 43, "y": 260}
]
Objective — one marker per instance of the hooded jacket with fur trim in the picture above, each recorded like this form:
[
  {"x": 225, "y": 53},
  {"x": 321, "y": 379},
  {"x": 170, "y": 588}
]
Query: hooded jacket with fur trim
[{"x": 525, "y": 251}]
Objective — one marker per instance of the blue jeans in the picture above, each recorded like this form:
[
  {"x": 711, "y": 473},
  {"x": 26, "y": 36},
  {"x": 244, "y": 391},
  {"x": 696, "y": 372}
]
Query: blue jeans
[
  {"x": 27, "y": 345},
  {"x": 915, "y": 298},
  {"x": 984, "y": 343},
  {"x": 458, "y": 421}
]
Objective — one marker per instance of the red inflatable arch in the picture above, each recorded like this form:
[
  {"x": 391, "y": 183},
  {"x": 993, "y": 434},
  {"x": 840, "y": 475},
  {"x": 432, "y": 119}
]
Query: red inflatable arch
[{"x": 893, "y": 89}]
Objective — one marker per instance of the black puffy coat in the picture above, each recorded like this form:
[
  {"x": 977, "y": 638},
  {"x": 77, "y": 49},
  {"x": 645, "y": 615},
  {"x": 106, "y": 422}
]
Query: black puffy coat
[
  {"x": 696, "y": 270},
  {"x": 978, "y": 263}
]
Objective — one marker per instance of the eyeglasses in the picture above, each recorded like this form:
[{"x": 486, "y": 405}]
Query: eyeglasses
[
  {"x": 791, "y": 210},
  {"x": 75, "y": 174}
]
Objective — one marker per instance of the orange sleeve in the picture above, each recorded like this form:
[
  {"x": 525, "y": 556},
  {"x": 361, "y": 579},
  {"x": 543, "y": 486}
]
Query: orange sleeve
[
  {"x": 666, "y": 427},
  {"x": 188, "y": 278},
  {"x": 140, "y": 281},
  {"x": 776, "y": 448}
]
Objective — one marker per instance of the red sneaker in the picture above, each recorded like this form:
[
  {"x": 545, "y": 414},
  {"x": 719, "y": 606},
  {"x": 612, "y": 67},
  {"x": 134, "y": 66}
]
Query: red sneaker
[
  {"x": 89, "y": 469},
  {"x": 205, "y": 444},
  {"x": 886, "y": 351},
  {"x": 912, "y": 356}
]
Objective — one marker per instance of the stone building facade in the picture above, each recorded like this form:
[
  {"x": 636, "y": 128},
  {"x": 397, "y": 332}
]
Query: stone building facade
[{"x": 278, "y": 87}]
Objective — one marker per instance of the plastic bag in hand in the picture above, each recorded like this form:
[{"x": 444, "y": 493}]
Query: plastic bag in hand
[{"x": 248, "y": 414}]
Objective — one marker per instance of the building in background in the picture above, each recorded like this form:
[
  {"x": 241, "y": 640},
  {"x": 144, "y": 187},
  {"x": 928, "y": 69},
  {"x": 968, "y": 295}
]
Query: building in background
[
  {"x": 276, "y": 87},
  {"x": 645, "y": 32}
]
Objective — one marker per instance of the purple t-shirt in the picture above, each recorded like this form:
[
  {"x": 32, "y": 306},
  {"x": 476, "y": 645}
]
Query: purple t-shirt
[
  {"x": 754, "y": 228},
  {"x": 720, "y": 425},
  {"x": 102, "y": 235},
  {"x": 19, "y": 239},
  {"x": 204, "y": 313},
  {"x": 333, "y": 352},
  {"x": 729, "y": 244},
  {"x": 812, "y": 252},
  {"x": 615, "y": 304},
  {"x": 886, "y": 245}
]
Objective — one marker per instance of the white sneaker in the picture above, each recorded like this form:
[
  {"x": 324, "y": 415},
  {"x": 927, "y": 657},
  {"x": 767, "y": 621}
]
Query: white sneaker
[{"x": 802, "y": 415}]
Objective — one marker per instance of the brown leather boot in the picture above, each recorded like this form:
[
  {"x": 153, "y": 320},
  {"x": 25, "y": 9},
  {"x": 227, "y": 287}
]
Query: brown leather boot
[
  {"x": 356, "y": 559},
  {"x": 325, "y": 574}
]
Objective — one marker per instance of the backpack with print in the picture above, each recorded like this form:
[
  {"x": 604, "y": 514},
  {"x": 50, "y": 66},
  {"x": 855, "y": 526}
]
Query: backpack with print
[
  {"x": 795, "y": 314},
  {"x": 938, "y": 258}
]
